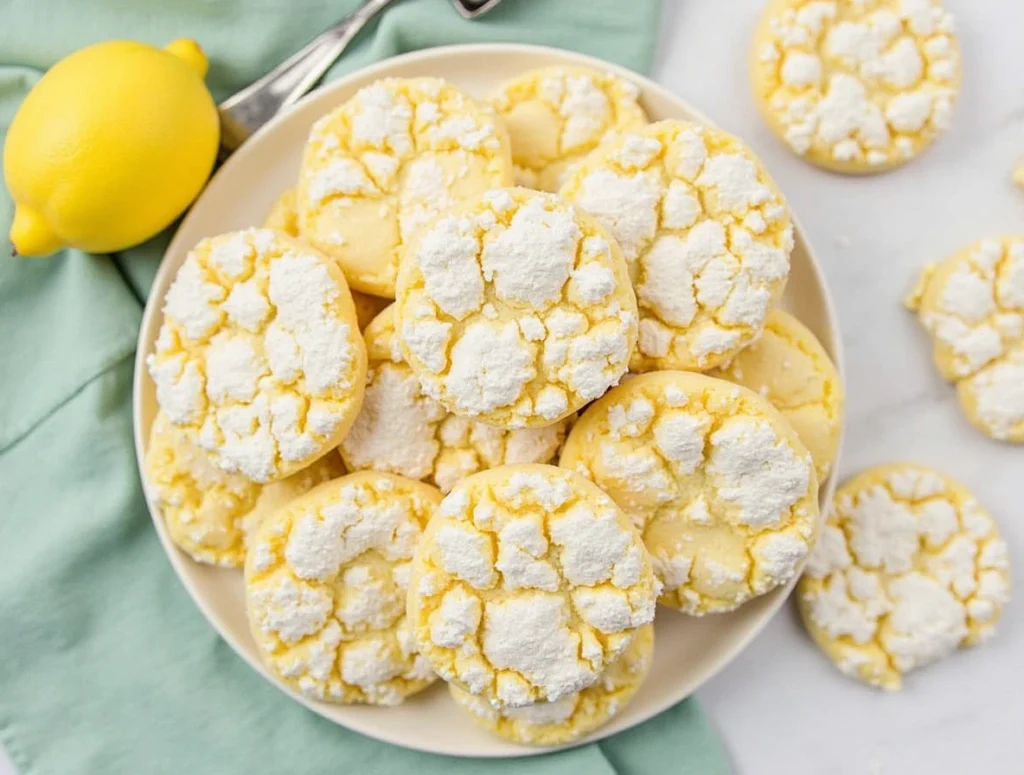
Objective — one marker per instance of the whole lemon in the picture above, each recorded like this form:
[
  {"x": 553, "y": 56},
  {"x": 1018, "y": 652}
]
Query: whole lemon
[{"x": 109, "y": 147}]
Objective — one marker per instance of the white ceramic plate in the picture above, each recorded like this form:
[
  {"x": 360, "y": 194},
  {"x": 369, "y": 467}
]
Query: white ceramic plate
[{"x": 689, "y": 651}]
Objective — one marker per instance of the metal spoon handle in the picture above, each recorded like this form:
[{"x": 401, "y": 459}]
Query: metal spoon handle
[{"x": 244, "y": 112}]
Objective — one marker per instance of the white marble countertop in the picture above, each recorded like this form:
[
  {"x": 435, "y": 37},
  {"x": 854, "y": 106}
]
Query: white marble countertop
[{"x": 781, "y": 708}]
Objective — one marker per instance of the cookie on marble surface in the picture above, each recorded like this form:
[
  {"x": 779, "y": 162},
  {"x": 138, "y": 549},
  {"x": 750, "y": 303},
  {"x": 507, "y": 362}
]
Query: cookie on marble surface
[
  {"x": 972, "y": 304},
  {"x": 854, "y": 86},
  {"x": 528, "y": 583},
  {"x": 386, "y": 163},
  {"x": 516, "y": 311},
  {"x": 259, "y": 357},
  {"x": 909, "y": 567},
  {"x": 325, "y": 586},
  {"x": 403, "y": 430},
  {"x": 719, "y": 484},
  {"x": 555, "y": 116},
  {"x": 572, "y": 717},
  {"x": 790, "y": 368},
  {"x": 704, "y": 231},
  {"x": 283, "y": 217}
]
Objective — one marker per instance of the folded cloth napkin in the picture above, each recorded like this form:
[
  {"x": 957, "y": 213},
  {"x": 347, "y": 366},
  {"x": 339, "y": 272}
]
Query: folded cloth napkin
[{"x": 106, "y": 666}]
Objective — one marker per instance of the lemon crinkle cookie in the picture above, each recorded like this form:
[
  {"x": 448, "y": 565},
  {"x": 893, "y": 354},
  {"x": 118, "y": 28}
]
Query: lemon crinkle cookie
[
  {"x": 720, "y": 486},
  {"x": 556, "y": 115},
  {"x": 572, "y": 717},
  {"x": 403, "y": 430},
  {"x": 259, "y": 357},
  {"x": 705, "y": 233},
  {"x": 973, "y": 306},
  {"x": 325, "y": 581},
  {"x": 856, "y": 86},
  {"x": 528, "y": 583},
  {"x": 909, "y": 566},
  {"x": 387, "y": 162},
  {"x": 790, "y": 368},
  {"x": 283, "y": 217},
  {"x": 516, "y": 311},
  {"x": 211, "y": 514}
]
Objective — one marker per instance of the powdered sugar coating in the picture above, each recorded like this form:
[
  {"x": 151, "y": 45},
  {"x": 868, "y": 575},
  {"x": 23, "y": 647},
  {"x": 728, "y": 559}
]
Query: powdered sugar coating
[
  {"x": 788, "y": 366},
  {"x": 384, "y": 164},
  {"x": 557, "y": 115},
  {"x": 572, "y": 717},
  {"x": 720, "y": 486},
  {"x": 210, "y": 514},
  {"x": 283, "y": 217},
  {"x": 561, "y": 577},
  {"x": 705, "y": 233},
  {"x": 516, "y": 311},
  {"x": 973, "y": 306},
  {"x": 402, "y": 430},
  {"x": 326, "y": 579},
  {"x": 266, "y": 379},
  {"x": 909, "y": 567},
  {"x": 854, "y": 86}
]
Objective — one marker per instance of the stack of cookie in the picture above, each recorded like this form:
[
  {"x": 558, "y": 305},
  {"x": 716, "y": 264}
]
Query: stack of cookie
[{"x": 614, "y": 314}]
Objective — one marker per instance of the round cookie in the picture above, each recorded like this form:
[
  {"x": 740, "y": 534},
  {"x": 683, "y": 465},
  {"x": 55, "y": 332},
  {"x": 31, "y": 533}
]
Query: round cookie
[
  {"x": 387, "y": 162},
  {"x": 719, "y": 484},
  {"x": 557, "y": 115},
  {"x": 528, "y": 583},
  {"x": 572, "y": 717},
  {"x": 516, "y": 311},
  {"x": 283, "y": 217},
  {"x": 325, "y": 585},
  {"x": 790, "y": 368},
  {"x": 856, "y": 87},
  {"x": 259, "y": 357},
  {"x": 973, "y": 306},
  {"x": 705, "y": 233},
  {"x": 909, "y": 566},
  {"x": 210, "y": 514},
  {"x": 403, "y": 430}
]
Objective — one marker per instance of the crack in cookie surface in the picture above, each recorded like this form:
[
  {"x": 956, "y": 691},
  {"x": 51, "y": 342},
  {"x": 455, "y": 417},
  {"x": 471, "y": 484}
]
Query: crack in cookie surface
[
  {"x": 326, "y": 579},
  {"x": 720, "y": 486},
  {"x": 528, "y": 583},
  {"x": 388, "y": 161},
  {"x": 909, "y": 567},
  {"x": 705, "y": 233},
  {"x": 856, "y": 85},
  {"x": 259, "y": 357},
  {"x": 516, "y": 311}
]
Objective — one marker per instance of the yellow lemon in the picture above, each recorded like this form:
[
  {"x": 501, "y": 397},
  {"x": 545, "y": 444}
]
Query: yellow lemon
[{"x": 109, "y": 147}]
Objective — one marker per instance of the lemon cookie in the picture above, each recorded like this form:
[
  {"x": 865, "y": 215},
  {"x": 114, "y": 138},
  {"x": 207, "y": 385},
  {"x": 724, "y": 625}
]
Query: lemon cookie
[
  {"x": 790, "y": 368},
  {"x": 283, "y": 217},
  {"x": 557, "y": 115},
  {"x": 516, "y": 311},
  {"x": 325, "y": 585},
  {"x": 210, "y": 514},
  {"x": 528, "y": 583},
  {"x": 403, "y": 430},
  {"x": 259, "y": 357},
  {"x": 704, "y": 231},
  {"x": 973, "y": 306},
  {"x": 909, "y": 566},
  {"x": 572, "y": 717},
  {"x": 718, "y": 482},
  {"x": 387, "y": 162},
  {"x": 856, "y": 86}
]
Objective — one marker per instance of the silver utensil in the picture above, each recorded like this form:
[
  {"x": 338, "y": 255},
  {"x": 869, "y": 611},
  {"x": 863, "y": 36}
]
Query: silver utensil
[{"x": 244, "y": 112}]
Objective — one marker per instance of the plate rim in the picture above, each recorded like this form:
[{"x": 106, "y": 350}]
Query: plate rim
[{"x": 152, "y": 312}]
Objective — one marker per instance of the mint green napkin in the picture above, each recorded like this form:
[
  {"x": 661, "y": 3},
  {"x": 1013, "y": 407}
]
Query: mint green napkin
[{"x": 106, "y": 665}]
